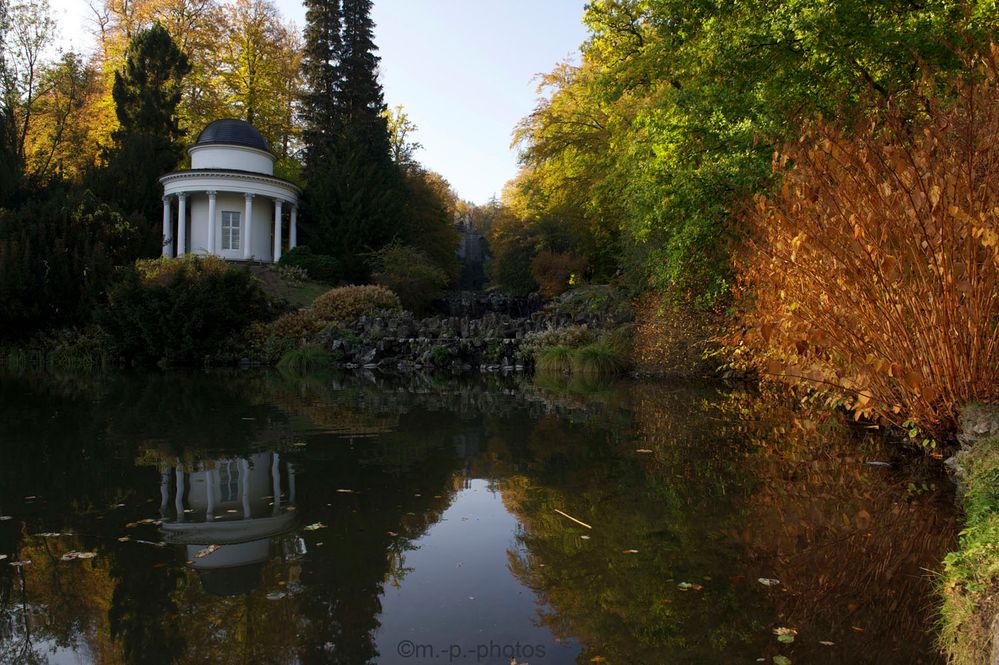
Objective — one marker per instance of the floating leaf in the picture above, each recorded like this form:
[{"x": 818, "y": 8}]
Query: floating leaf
[
  {"x": 314, "y": 527},
  {"x": 785, "y": 635},
  {"x": 826, "y": 643},
  {"x": 645, "y": 451},
  {"x": 4, "y": 518},
  {"x": 630, "y": 552},
  {"x": 685, "y": 586},
  {"x": 2, "y": 557},
  {"x": 768, "y": 581},
  {"x": 205, "y": 552},
  {"x": 782, "y": 660},
  {"x": 18, "y": 564},
  {"x": 48, "y": 534},
  {"x": 124, "y": 539},
  {"x": 276, "y": 595}
]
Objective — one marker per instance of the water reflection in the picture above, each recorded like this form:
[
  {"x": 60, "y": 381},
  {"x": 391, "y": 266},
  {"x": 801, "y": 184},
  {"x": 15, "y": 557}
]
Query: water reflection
[{"x": 270, "y": 519}]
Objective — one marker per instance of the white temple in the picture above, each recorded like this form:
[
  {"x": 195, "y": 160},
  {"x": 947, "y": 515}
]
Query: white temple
[{"x": 229, "y": 203}]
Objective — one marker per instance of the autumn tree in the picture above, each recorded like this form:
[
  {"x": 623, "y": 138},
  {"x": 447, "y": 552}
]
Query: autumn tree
[
  {"x": 401, "y": 130},
  {"x": 31, "y": 30},
  {"x": 147, "y": 143}
]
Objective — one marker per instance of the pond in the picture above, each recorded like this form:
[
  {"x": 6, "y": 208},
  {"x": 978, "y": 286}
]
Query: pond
[{"x": 259, "y": 518}]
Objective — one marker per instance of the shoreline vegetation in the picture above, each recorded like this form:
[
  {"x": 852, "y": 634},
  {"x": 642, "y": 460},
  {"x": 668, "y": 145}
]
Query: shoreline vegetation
[{"x": 800, "y": 194}]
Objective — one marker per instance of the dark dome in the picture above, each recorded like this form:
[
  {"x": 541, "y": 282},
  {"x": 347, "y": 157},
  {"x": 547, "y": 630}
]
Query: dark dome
[{"x": 232, "y": 132}]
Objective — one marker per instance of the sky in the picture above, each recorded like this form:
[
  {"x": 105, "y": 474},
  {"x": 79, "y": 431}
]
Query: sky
[{"x": 463, "y": 69}]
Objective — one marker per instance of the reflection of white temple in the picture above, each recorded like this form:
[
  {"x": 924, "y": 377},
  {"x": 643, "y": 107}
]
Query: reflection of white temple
[{"x": 237, "y": 504}]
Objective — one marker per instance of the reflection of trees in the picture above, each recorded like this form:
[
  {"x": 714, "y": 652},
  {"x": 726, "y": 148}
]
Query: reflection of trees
[{"x": 726, "y": 497}]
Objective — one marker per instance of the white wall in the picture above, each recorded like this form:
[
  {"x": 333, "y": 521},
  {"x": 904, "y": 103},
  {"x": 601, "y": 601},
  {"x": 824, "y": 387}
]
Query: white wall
[
  {"x": 262, "y": 238},
  {"x": 231, "y": 157}
]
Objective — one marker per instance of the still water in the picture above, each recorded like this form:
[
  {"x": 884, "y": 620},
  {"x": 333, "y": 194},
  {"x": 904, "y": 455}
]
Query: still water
[{"x": 259, "y": 518}]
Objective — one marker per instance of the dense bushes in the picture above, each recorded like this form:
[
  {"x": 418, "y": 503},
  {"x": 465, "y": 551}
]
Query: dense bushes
[
  {"x": 350, "y": 302},
  {"x": 319, "y": 267},
  {"x": 410, "y": 274},
  {"x": 876, "y": 271},
  {"x": 57, "y": 259},
  {"x": 555, "y": 272},
  {"x": 180, "y": 311}
]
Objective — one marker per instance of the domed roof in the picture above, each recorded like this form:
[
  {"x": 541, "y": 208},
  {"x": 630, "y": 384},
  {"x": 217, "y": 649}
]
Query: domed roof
[{"x": 232, "y": 132}]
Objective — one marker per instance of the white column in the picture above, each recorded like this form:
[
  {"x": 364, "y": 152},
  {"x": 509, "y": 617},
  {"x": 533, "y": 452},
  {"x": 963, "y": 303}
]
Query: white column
[
  {"x": 293, "y": 230},
  {"x": 164, "y": 493},
  {"x": 211, "y": 222},
  {"x": 244, "y": 476},
  {"x": 276, "y": 480},
  {"x": 247, "y": 226},
  {"x": 210, "y": 494},
  {"x": 178, "y": 502},
  {"x": 167, "y": 236},
  {"x": 277, "y": 230},
  {"x": 181, "y": 224}
]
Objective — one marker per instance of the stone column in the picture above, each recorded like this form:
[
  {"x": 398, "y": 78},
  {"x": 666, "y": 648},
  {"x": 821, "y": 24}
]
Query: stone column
[
  {"x": 167, "y": 236},
  {"x": 211, "y": 222},
  {"x": 181, "y": 224},
  {"x": 291, "y": 482},
  {"x": 277, "y": 230},
  {"x": 247, "y": 226},
  {"x": 293, "y": 229}
]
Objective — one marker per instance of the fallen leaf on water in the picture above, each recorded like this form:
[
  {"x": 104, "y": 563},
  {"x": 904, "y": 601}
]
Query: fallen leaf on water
[
  {"x": 124, "y": 539},
  {"x": 630, "y": 552},
  {"x": 48, "y": 534},
  {"x": 684, "y": 586},
  {"x": 345, "y": 491},
  {"x": 856, "y": 629},
  {"x": 299, "y": 444},
  {"x": 393, "y": 534},
  {"x": 314, "y": 527},
  {"x": 585, "y": 537},
  {"x": 598, "y": 659},
  {"x": 768, "y": 581},
  {"x": 276, "y": 595},
  {"x": 826, "y": 643},
  {"x": 785, "y": 635},
  {"x": 205, "y": 552},
  {"x": 2, "y": 557},
  {"x": 18, "y": 564},
  {"x": 643, "y": 450},
  {"x": 782, "y": 660},
  {"x": 72, "y": 555},
  {"x": 4, "y": 518}
]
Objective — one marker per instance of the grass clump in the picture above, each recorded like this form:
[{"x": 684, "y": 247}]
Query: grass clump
[
  {"x": 970, "y": 583},
  {"x": 554, "y": 360},
  {"x": 305, "y": 360},
  {"x": 600, "y": 358}
]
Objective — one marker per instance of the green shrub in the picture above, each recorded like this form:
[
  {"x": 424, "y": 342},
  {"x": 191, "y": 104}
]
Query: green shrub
[
  {"x": 347, "y": 303},
  {"x": 569, "y": 336},
  {"x": 320, "y": 267},
  {"x": 57, "y": 261},
  {"x": 411, "y": 274},
  {"x": 180, "y": 311},
  {"x": 302, "y": 324},
  {"x": 305, "y": 359}
]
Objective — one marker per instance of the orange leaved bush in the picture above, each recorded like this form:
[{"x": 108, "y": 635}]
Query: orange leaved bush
[{"x": 874, "y": 269}]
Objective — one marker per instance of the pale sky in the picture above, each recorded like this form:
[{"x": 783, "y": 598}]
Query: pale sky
[{"x": 464, "y": 70}]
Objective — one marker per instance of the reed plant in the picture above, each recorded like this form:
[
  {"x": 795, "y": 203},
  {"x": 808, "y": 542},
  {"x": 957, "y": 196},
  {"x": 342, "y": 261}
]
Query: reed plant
[{"x": 874, "y": 270}]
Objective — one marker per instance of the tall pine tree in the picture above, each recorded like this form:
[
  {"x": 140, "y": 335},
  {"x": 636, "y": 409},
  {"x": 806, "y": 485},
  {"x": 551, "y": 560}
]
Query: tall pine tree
[
  {"x": 353, "y": 197},
  {"x": 148, "y": 141}
]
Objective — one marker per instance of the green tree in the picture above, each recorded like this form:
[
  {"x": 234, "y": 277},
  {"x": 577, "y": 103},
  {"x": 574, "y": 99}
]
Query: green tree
[
  {"x": 353, "y": 195},
  {"x": 147, "y": 143}
]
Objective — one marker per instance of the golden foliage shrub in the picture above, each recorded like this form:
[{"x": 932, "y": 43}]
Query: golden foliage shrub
[
  {"x": 347, "y": 303},
  {"x": 874, "y": 270}
]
